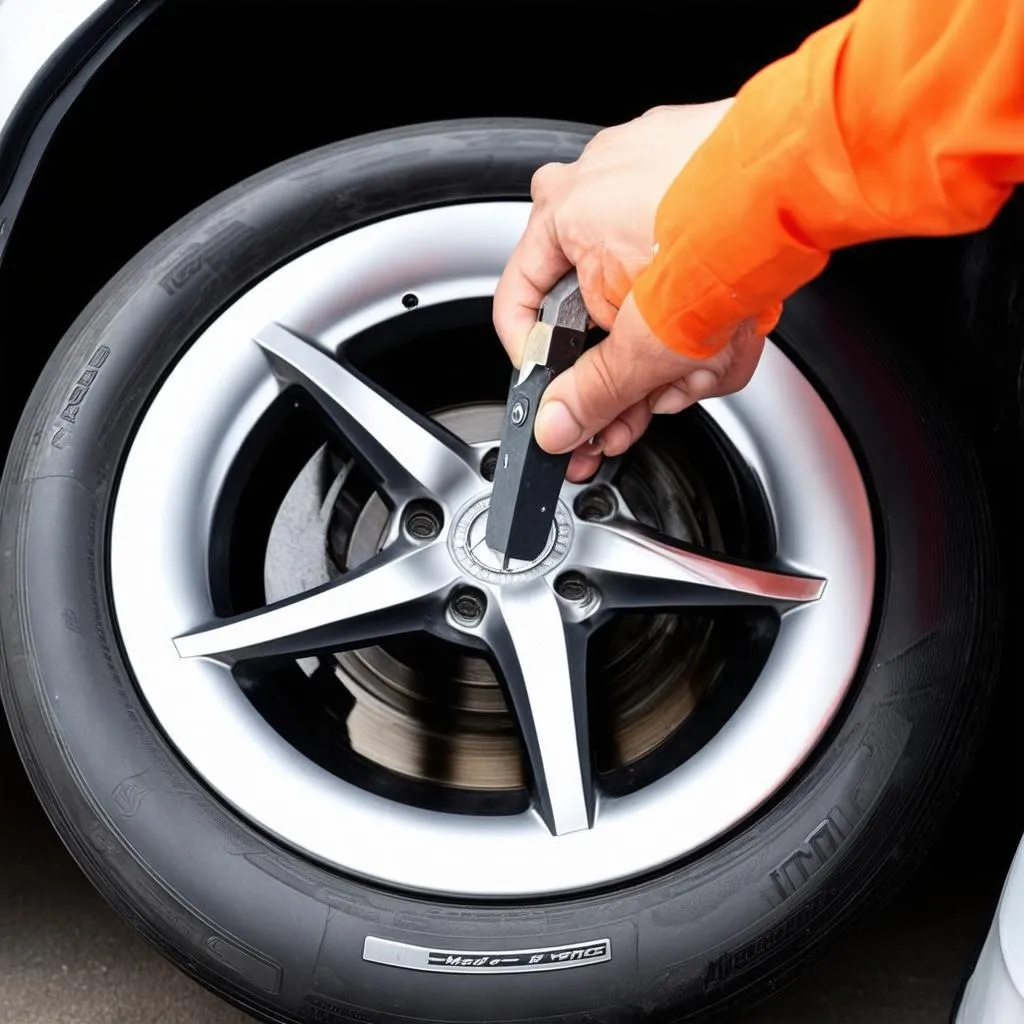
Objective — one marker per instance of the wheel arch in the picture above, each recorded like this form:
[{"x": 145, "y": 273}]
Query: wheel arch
[{"x": 49, "y": 55}]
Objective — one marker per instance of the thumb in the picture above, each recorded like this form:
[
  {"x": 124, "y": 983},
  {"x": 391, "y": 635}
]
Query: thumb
[{"x": 605, "y": 381}]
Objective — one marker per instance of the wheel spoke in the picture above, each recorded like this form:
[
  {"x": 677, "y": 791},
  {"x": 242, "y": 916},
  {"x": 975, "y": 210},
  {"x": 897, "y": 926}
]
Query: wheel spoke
[
  {"x": 407, "y": 453},
  {"x": 543, "y": 662},
  {"x": 387, "y": 595},
  {"x": 636, "y": 567}
]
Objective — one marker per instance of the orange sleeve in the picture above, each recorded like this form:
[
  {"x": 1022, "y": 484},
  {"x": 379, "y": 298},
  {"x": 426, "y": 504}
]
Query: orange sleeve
[{"x": 906, "y": 117}]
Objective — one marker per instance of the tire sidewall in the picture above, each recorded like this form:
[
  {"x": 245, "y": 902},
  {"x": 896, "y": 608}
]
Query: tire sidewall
[{"x": 280, "y": 935}]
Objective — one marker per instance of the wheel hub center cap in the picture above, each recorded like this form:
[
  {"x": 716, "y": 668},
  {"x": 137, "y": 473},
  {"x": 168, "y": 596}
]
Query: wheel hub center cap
[{"x": 469, "y": 547}]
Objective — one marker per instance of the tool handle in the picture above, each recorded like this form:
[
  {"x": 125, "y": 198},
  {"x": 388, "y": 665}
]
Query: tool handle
[{"x": 528, "y": 479}]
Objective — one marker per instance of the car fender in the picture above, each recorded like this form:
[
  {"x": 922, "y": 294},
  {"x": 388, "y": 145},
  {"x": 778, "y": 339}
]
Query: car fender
[{"x": 49, "y": 49}]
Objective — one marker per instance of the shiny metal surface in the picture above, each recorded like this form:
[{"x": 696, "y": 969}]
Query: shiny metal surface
[
  {"x": 557, "y": 337},
  {"x": 468, "y": 543},
  {"x": 406, "y": 454},
  {"x": 465, "y": 961},
  {"x": 636, "y": 568},
  {"x": 541, "y": 656},
  {"x": 161, "y": 527},
  {"x": 31, "y": 32},
  {"x": 384, "y": 596}
]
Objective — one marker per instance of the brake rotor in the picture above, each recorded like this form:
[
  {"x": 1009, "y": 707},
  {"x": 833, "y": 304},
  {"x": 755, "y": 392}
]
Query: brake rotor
[{"x": 436, "y": 713}]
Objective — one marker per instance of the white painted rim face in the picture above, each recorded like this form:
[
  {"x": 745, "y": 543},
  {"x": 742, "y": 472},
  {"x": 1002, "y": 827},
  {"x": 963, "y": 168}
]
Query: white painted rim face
[{"x": 163, "y": 513}]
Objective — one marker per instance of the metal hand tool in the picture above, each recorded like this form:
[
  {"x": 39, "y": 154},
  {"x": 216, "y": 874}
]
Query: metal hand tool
[{"x": 527, "y": 479}]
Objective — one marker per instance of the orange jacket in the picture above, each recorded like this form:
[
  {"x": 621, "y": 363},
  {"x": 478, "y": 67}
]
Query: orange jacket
[{"x": 906, "y": 117}]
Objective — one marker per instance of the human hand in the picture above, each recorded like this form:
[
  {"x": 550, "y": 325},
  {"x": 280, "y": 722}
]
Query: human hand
[{"x": 597, "y": 214}]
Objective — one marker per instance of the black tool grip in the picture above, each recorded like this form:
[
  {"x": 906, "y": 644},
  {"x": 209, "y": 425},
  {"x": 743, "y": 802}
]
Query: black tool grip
[{"x": 527, "y": 479}]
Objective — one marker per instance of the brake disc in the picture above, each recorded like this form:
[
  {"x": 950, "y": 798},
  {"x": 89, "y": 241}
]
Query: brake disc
[{"x": 436, "y": 713}]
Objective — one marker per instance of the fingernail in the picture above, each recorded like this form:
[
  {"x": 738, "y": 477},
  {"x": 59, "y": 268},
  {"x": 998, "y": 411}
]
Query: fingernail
[{"x": 557, "y": 430}]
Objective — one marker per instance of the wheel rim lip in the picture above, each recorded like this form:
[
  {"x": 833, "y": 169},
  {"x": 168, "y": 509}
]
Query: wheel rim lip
[{"x": 162, "y": 518}]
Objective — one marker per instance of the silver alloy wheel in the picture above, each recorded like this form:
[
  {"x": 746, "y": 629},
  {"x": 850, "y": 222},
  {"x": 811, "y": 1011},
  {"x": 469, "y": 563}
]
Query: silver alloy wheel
[{"x": 291, "y": 328}]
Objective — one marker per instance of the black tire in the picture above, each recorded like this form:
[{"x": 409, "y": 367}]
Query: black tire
[{"x": 281, "y": 936}]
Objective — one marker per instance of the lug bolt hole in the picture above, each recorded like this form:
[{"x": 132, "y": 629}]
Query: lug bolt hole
[
  {"x": 573, "y": 586},
  {"x": 410, "y": 301},
  {"x": 596, "y": 504},
  {"x": 488, "y": 464},
  {"x": 467, "y": 606},
  {"x": 423, "y": 520}
]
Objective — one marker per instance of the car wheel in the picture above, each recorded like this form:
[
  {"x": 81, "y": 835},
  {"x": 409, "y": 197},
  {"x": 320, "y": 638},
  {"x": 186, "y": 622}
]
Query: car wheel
[{"x": 311, "y": 738}]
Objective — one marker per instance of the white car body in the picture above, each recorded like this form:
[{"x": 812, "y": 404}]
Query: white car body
[{"x": 995, "y": 991}]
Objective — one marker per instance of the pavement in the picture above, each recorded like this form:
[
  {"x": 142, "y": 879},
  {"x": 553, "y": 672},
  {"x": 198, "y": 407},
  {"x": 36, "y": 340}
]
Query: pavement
[{"x": 67, "y": 958}]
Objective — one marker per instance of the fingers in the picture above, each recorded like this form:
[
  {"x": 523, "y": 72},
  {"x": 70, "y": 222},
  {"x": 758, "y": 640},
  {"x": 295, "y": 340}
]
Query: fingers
[
  {"x": 725, "y": 373},
  {"x": 681, "y": 394},
  {"x": 622, "y": 433},
  {"x": 607, "y": 380},
  {"x": 536, "y": 265},
  {"x": 626, "y": 429},
  {"x": 592, "y": 288},
  {"x": 617, "y": 386},
  {"x": 585, "y": 462},
  {"x": 748, "y": 345}
]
